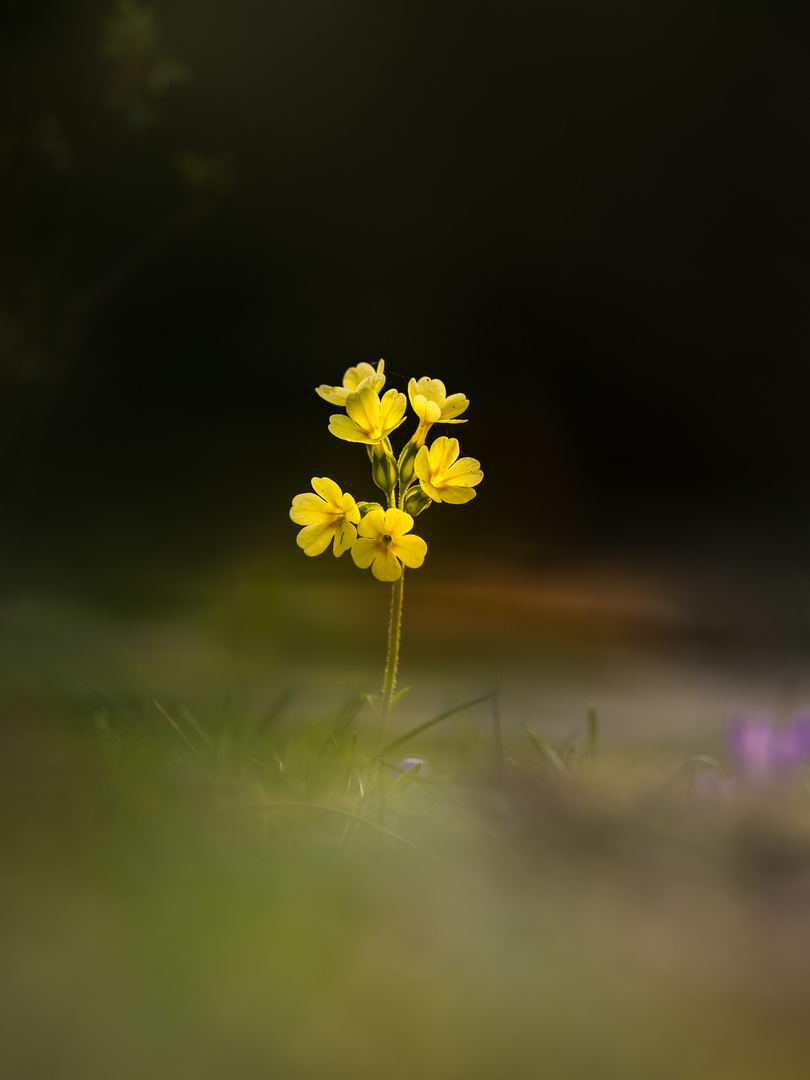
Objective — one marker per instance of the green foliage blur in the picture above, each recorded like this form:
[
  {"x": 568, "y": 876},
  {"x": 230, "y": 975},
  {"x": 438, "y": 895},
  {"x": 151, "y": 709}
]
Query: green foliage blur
[{"x": 179, "y": 900}]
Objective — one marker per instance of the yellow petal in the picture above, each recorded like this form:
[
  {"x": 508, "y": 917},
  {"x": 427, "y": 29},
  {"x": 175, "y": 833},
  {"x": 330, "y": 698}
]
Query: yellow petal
[
  {"x": 350, "y": 509},
  {"x": 443, "y": 453},
  {"x": 346, "y": 429},
  {"x": 363, "y": 406},
  {"x": 455, "y": 405},
  {"x": 309, "y": 509},
  {"x": 421, "y": 465},
  {"x": 329, "y": 491},
  {"x": 356, "y": 375},
  {"x": 376, "y": 382},
  {"x": 373, "y": 525},
  {"x": 466, "y": 471},
  {"x": 429, "y": 489},
  {"x": 434, "y": 390},
  {"x": 364, "y": 552},
  {"x": 345, "y": 536},
  {"x": 426, "y": 409},
  {"x": 396, "y": 522},
  {"x": 411, "y": 550},
  {"x": 457, "y": 494},
  {"x": 386, "y": 566},
  {"x": 315, "y": 539},
  {"x": 335, "y": 395},
  {"x": 392, "y": 410}
]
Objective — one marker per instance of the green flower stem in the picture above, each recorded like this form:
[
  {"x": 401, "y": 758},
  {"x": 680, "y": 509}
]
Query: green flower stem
[
  {"x": 390, "y": 679},
  {"x": 389, "y": 685}
]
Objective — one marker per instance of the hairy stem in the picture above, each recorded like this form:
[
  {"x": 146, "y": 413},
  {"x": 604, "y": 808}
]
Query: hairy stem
[
  {"x": 389, "y": 684},
  {"x": 390, "y": 679}
]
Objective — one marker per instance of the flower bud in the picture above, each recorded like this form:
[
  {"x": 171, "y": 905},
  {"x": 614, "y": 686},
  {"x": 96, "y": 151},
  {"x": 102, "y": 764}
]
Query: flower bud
[
  {"x": 384, "y": 470},
  {"x": 416, "y": 501},
  {"x": 406, "y": 460}
]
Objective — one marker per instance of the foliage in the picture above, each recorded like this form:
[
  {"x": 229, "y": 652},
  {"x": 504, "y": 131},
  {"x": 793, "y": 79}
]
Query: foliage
[
  {"x": 140, "y": 68},
  {"x": 174, "y": 903}
]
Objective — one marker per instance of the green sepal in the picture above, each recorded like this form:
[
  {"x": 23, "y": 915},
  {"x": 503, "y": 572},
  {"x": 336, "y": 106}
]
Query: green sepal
[
  {"x": 406, "y": 462},
  {"x": 416, "y": 501},
  {"x": 384, "y": 471},
  {"x": 367, "y": 507}
]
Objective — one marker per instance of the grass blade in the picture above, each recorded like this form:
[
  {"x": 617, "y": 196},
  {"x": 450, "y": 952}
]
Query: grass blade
[
  {"x": 406, "y": 777},
  {"x": 436, "y": 720},
  {"x": 593, "y": 729},
  {"x": 269, "y": 718},
  {"x": 546, "y": 751},
  {"x": 186, "y": 714},
  {"x": 176, "y": 727}
]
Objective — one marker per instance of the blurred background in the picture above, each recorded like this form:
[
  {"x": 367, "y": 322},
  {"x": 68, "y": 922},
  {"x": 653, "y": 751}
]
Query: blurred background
[{"x": 590, "y": 218}]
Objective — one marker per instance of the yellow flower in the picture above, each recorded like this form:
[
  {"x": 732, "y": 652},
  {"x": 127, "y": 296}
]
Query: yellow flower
[
  {"x": 370, "y": 419},
  {"x": 327, "y": 515},
  {"x": 337, "y": 395},
  {"x": 383, "y": 545},
  {"x": 432, "y": 405},
  {"x": 443, "y": 475}
]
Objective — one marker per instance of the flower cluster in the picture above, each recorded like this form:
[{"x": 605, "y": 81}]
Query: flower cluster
[{"x": 380, "y": 537}]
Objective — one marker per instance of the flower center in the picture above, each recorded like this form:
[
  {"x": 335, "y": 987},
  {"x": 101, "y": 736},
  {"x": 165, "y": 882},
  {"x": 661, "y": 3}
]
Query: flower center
[{"x": 386, "y": 539}]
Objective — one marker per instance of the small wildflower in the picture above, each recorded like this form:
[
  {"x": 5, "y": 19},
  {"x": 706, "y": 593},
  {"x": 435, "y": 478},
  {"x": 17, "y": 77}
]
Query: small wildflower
[
  {"x": 432, "y": 405},
  {"x": 337, "y": 395},
  {"x": 326, "y": 516},
  {"x": 443, "y": 475},
  {"x": 383, "y": 545},
  {"x": 766, "y": 750},
  {"x": 370, "y": 418}
]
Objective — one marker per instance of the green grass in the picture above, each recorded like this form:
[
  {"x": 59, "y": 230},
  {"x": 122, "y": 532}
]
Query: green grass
[{"x": 181, "y": 896}]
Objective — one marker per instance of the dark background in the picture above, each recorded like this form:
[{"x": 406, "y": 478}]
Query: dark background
[{"x": 589, "y": 217}]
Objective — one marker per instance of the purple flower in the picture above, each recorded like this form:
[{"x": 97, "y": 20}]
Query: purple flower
[{"x": 766, "y": 750}]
